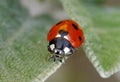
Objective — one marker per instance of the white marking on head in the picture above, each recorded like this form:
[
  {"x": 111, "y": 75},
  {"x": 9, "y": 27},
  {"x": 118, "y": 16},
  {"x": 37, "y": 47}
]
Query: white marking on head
[
  {"x": 60, "y": 52},
  {"x": 52, "y": 46},
  {"x": 55, "y": 51},
  {"x": 66, "y": 37},
  {"x": 58, "y": 35},
  {"x": 66, "y": 50}
]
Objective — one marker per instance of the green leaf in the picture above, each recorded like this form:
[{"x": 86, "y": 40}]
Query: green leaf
[
  {"x": 23, "y": 44},
  {"x": 101, "y": 28}
]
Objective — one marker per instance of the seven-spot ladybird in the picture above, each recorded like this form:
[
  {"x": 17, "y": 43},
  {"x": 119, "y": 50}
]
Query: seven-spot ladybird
[{"x": 63, "y": 38}]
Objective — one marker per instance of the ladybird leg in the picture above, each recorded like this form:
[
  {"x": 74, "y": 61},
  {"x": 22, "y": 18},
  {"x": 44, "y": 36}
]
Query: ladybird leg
[
  {"x": 54, "y": 58},
  {"x": 59, "y": 58},
  {"x": 51, "y": 56},
  {"x": 62, "y": 58}
]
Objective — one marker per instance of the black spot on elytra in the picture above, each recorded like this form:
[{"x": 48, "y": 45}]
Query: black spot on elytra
[
  {"x": 59, "y": 23},
  {"x": 80, "y": 38},
  {"x": 63, "y": 33},
  {"x": 75, "y": 27}
]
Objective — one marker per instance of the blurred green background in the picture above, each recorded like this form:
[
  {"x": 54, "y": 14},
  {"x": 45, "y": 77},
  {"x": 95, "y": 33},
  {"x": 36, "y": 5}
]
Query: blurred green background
[{"x": 23, "y": 46}]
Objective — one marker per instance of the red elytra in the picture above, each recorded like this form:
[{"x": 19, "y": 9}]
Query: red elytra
[{"x": 75, "y": 34}]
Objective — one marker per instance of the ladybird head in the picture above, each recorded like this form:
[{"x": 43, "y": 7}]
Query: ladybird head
[{"x": 60, "y": 47}]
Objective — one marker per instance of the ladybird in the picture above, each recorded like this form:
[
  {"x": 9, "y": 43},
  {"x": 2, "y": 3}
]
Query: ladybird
[{"x": 64, "y": 37}]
